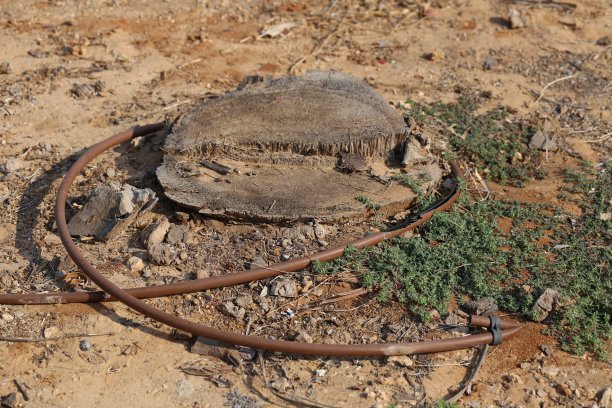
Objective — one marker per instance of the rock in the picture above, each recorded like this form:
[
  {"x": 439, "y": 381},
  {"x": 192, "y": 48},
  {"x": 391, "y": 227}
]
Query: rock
[
  {"x": 603, "y": 41},
  {"x": 435, "y": 55},
  {"x": 213, "y": 348},
  {"x": 82, "y": 91},
  {"x": 9, "y": 400},
  {"x": 321, "y": 231},
  {"x": 489, "y": 63},
  {"x": 263, "y": 303},
  {"x": 175, "y": 234},
  {"x": 184, "y": 388},
  {"x": 7, "y": 317},
  {"x": 550, "y": 371},
  {"x": 11, "y": 165},
  {"x": 515, "y": 19},
  {"x": 307, "y": 284},
  {"x": 564, "y": 390},
  {"x": 5, "y": 68},
  {"x": 541, "y": 141},
  {"x": 545, "y": 304},
  {"x": 484, "y": 307},
  {"x": 284, "y": 287},
  {"x": 452, "y": 319},
  {"x": 605, "y": 216},
  {"x": 230, "y": 309},
  {"x": 52, "y": 239},
  {"x": 110, "y": 209},
  {"x": 257, "y": 263},
  {"x": 84, "y": 345},
  {"x": 244, "y": 301},
  {"x": 156, "y": 233},
  {"x": 162, "y": 254},
  {"x": 546, "y": 349},
  {"x": 135, "y": 264},
  {"x": 50, "y": 332},
  {"x": 605, "y": 398},
  {"x": 514, "y": 378},
  {"x": 401, "y": 361}
]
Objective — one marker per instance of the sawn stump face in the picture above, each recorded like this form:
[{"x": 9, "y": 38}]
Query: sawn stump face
[{"x": 292, "y": 149}]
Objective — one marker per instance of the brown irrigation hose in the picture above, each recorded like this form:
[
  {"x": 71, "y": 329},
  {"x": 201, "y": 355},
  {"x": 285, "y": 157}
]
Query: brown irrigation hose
[{"x": 131, "y": 297}]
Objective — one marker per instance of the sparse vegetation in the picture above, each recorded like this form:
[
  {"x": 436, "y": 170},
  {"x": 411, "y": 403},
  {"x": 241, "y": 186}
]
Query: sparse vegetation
[
  {"x": 498, "y": 146},
  {"x": 511, "y": 252},
  {"x": 367, "y": 201}
]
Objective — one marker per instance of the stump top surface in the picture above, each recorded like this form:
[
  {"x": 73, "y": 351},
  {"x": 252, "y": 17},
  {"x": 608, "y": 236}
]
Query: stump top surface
[{"x": 319, "y": 108}]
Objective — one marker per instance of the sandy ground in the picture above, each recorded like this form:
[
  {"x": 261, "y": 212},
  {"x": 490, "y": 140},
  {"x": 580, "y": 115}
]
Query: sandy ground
[{"x": 79, "y": 71}]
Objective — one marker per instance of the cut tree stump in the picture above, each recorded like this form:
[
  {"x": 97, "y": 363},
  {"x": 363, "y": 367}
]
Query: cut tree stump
[{"x": 294, "y": 149}]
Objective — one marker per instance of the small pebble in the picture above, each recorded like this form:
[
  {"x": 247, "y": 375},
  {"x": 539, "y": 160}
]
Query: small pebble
[{"x": 84, "y": 345}]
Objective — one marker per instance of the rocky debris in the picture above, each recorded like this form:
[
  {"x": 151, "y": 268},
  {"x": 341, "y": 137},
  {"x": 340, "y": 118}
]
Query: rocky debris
[
  {"x": 82, "y": 91},
  {"x": 307, "y": 284},
  {"x": 86, "y": 91},
  {"x": 155, "y": 233},
  {"x": 541, "y": 141},
  {"x": 11, "y": 165},
  {"x": 38, "y": 53},
  {"x": 135, "y": 264},
  {"x": 483, "y": 307},
  {"x": 110, "y": 209},
  {"x": 9, "y": 400},
  {"x": 177, "y": 234},
  {"x": 257, "y": 263},
  {"x": 184, "y": 388},
  {"x": 605, "y": 398},
  {"x": 564, "y": 390},
  {"x": 414, "y": 153},
  {"x": 489, "y": 63},
  {"x": 244, "y": 301},
  {"x": 5, "y": 68},
  {"x": 515, "y": 19},
  {"x": 302, "y": 233},
  {"x": 50, "y": 332},
  {"x": 401, "y": 361},
  {"x": 550, "y": 371},
  {"x": 603, "y": 41},
  {"x": 232, "y": 310},
  {"x": 84, "y": 345},
  {"x": 435, "y": 55},
  {"x": 545, "y": 304},
  {"x": 236, "y": 400},
  {"x": 546, "y": 349},
  {"x": 7, "y": 317},
  {"x": 284, "y": 287},
  {"x": 162, "y": 254},
  {"x": 213, "y": 348},
  {"x": 263, "y": 303}
]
